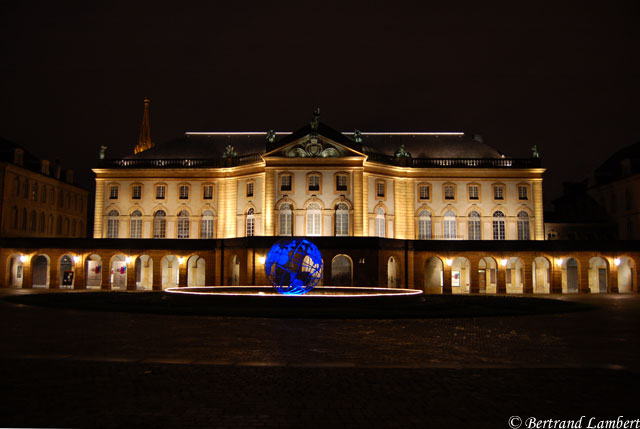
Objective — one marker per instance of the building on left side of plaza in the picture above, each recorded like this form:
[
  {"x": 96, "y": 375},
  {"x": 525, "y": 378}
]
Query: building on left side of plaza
[{"x": 38, "y": 198}]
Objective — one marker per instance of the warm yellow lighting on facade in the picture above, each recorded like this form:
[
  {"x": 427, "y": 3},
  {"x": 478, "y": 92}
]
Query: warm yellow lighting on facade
[
  {"x": 76, "y": 259},
  {"x": 449, "y": 262},
  {"x": 617, "y": 262},
  {"x": 127, "y": 259},
  {"x": 503, "y": 262},
  {"x": 181, "y": 260},
  {"x": 559, "y": 262},
  {"x": 23, "y": 258},
  {"x": 261, "y": 259}
]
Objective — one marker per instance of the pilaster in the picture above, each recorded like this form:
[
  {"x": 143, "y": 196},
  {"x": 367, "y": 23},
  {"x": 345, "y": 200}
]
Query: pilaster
[
  {"x": 538, "y": 210},
  {"x": 358, "y": 204},
  {"x": 99, "y": 208},
  {"x": 268, "y": 213}
]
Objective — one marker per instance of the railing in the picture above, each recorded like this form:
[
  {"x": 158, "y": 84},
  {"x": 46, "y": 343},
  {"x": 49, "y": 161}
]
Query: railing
[
  {"x": 180, "y": 163},
  {"x": 456, "y": 162}
]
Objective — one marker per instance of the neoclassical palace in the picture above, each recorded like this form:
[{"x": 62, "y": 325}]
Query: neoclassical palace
[{"x": 319, "y": 182}]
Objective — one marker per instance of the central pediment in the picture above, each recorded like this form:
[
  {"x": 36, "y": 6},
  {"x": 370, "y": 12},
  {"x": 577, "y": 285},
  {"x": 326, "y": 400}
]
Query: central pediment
[{"x": 314, "y": 142}]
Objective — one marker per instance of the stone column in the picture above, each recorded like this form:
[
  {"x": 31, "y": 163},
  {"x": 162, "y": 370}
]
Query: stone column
[
  {"x": 131, "y": 274},
  {"x": 268, "y": 204},
  {"x": 358, "y": 204},
  {"x": 501, "y": 280},
  {"x": 157, "y": 272},
  {"x": 538, "y": 210},
  {"x": 400, "y": 208},
  {"x": 527, "y": 274},
  {"x": 410, "y": 209},
  {"x": 99, "y": 207},
  {"x": 365, "y": 205},
  {"x": 446, "y": 280}
]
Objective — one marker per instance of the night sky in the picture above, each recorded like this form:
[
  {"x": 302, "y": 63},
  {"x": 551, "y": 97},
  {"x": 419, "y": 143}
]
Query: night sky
[{"x": 562, "y": 75}]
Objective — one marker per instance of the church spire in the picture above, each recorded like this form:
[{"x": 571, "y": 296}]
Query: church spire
[{"x": 144, "y": 141}]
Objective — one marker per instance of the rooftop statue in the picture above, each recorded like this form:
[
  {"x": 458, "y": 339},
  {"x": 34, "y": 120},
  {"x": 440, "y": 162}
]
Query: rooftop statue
[
  {"x": 357, "y": 136},
  {"x": 271, "y": 136},
  {"x": 103, "y": 149},
  {"x": 229, "y": 152},
  {"x": 402, "y": 152},
  {"x": 315, "y": 120},
  {"x": 536, "y": 154}
]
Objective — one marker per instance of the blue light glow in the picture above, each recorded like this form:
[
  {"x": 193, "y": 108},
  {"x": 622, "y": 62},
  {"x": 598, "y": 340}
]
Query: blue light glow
[{"x": 294, "y": 266}]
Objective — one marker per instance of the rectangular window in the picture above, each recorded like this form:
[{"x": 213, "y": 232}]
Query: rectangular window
[
  {"x": 207, "y": 192},
  {"x": 314, "y": 183},
  {"x": 285, "y": 182},
  {"x": 136, "y": 192},
  {"x": 184, "y": 192},
  {"x": 25, "y": 190},
  {"x": 449, "y": 192},
  {"x": 249, "y": 189},
  {"x": 160, "y": 192},
  {"x": 498, "y": 193},
  {"x": 523, "y": 193},
  {"x": 43, "y": 195},
  {"x": 380, "y": 189},
  {"x": 113, "y": 193},
  {"x": 341, "y": 182},
  {"x": 473, "y": 192},
  {"x": 424, "y": 192}
]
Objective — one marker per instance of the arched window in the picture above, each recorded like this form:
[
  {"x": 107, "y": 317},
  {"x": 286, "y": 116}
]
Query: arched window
[
  {"x": 159, "y": 224},
  {"x": 380, "y": 223},
  {"x": 498, "y": 226},
  {"x": 523, "y": 226},
  {"x": 450, "y": 228},
  {"x": 135, "y": 225},
  {"x": 285, "y": 219},
  {"x": 251, "y": 223},
  {"x": 342, "y": 219},
  {"x": 314, "y": 216},
  {"x": 206, "y": 225},
  {"x": 341, "y": 271},
  {"x": 475, "y": 226},
  {"x": 183, "y": 224},
  {"x": 112, "y": 224},
  {"x": 424, "y": 225}
]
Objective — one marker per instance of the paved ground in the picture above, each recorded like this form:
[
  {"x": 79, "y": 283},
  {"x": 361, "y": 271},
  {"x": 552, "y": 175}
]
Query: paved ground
[{"x": 79, "y": 368}]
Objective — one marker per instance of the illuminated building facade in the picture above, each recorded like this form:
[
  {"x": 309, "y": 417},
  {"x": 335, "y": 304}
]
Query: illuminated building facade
[{"x": 319, "y": 182}]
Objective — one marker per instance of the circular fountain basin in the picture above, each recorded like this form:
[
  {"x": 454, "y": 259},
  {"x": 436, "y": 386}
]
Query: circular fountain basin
[{"x": 323, "y": 295}]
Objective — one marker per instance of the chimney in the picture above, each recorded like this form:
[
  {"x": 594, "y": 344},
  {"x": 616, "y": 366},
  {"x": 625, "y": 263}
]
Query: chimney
[
  {"x": 69, "y": 176},
  {"x": 45, "y": 167}
]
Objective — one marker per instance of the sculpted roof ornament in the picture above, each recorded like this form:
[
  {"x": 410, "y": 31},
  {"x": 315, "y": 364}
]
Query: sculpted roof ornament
[
  {"x": 271, "y": 136},
  {"x": 315, "y": 119},
  {"x": 401, "y": 152},
  {"x": 229, "y": 152},
  {"x": 535, "y": 154},
  {"x": 357, "y": 136},
  {"x": 312, "y": 148}
]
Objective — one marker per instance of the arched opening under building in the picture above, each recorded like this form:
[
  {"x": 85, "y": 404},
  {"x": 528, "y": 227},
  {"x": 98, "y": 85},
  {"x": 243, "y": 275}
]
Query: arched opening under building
[
  {"x": 144, "y": 272},
  {"x": 341, "y": 271},
  {"x": 40, "y": 271},
  {"x": 66, "y": 273},
  {"x": 433, "y": 275},
  {"x": 514, "y": 275},
  {"x": 170, "y": 271},
  {"x": 460, "y": 275},
  {"x": 196, "y": 271},
  {"x": 598, "y": 273},
  {"x": 570, "y": 276},
  {"x": 234, "y": 279},
  {"x": 487, "y": 275},
  {"x": 93, "y": 272},
  {"x": 16, "y": 271},
  {"x": 392, "y": 273},
  {"x": 118, "y": 277},
  {"x": 626, "y": 275},
  {"x": 541, "y": 275}
]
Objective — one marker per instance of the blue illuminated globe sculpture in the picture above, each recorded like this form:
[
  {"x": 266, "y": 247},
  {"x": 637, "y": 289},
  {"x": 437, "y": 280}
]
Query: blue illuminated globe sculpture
[{"x": 294, "y": 266}]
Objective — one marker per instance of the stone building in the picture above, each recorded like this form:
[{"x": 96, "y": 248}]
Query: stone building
[
  {"x": 39, "y": 199},
  {"x": 317, "y": 181}
]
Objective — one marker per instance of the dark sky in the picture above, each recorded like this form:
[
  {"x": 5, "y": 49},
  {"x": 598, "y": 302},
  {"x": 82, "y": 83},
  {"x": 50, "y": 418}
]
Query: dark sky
[{"x": 562, "y": 75}]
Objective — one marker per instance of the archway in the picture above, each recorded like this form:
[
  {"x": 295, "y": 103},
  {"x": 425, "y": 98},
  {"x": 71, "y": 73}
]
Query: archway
[
  {"x": 570, "y": 276},
  {"x": 170, "y": 271},
  {"x": 196, "y": 271},
  {"x": 626, "y": 272},
  {"x": 515, "y": 275},
  {"x": 144, "y": 272},
  {"x": 66, "y": 273},
  {"x": 433, "y": 275},
  {"x": 341, "y": 269},
  {"x": 118, "y": 278},
  {"x": 541, "y": 275},
  {"x": 598, "y": 273},
  {"x": 16, "y": 271},
  {"x": 460, "y": 278},
  {"x": 40, "y": 271},
  {"x": 93, "y": 270},
  {"x": 487, "y": 275},
  {"x": 392, "y": 273},
  {"x": 235, "y": 271}
]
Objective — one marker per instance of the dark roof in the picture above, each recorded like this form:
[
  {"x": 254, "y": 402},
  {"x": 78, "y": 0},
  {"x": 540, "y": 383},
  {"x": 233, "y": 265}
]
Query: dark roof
[
  {"x": 419, "y": 145},
  {"x": 623, "y": 163},
  {"x": 7, "y": 148}
]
